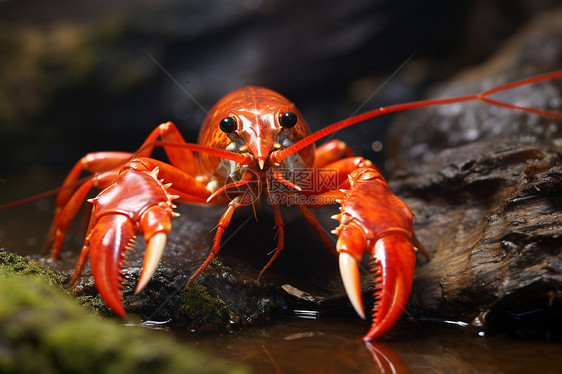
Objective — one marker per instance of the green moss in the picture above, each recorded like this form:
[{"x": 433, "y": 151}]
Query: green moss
[
  {"x": 13, "y": 264},
  {"x": 197, "y": 306},
  {"x": 121, "y": 350},
  {"x": 218, "y": 264},
  {"x": 43, "y": 330},
  {"x": 95, "y": 304}
]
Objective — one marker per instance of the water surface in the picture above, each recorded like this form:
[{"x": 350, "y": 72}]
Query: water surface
[{"x": 333, "y": 345}]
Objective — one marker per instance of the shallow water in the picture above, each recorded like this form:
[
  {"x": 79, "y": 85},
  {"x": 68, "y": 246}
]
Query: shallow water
[{"x": 333, "y": 345}]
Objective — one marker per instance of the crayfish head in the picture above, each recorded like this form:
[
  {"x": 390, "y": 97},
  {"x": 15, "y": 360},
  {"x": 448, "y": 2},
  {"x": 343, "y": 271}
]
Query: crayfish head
[
  {"x": 257, "y": 122},
  {"x": 260, "y": 131}
]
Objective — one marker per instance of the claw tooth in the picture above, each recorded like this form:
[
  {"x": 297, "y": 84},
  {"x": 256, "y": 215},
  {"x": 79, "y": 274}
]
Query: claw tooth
[
  {"x": 173, "y": 197},
  {"x": 345, "y": 219},
  {"x": 336, "y": 231},
  {"x": 152, "y": 256},
  {"x": 175, "y": 214},
  {"x": 167, "y": 185},
  {"x": 351, "y": 281},
  {"x": 343, "y": 190},
  {"x": 339, "y": 201},
  {"x": 337, "y": 217},
  {"x": 155, "y": 172}
]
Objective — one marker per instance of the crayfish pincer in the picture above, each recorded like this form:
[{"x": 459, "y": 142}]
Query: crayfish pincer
[{"x": 374, "y": 220}]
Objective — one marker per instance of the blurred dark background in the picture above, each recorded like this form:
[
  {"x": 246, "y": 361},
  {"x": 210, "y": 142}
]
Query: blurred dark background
[{"x": 79, "y": 76}]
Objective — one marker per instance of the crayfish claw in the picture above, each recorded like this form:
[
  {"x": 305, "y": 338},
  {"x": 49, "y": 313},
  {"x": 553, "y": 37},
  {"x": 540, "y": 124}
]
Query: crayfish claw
[
  {"x": 375, "y": 221},
  {"x": 110, "y": 238},
  {"x": 351, "y": 246},
  {"x": 349, "y": 271},
  {"x": 135, "y": 203},
  {"x": 396, "y": 259},
  {"x": 152, "y": 256}
]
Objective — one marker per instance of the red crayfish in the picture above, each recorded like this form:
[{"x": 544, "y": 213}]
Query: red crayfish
[{"x": 251, "y": 145}]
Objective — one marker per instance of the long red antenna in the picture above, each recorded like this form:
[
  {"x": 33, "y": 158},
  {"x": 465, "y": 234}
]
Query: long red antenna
[
  {"x": 241, "y": 158},
  {"x": 284, "y": 153}
]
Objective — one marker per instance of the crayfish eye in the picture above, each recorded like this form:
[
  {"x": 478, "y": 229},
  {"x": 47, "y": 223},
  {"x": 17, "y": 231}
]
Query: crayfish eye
[
  {"x": 228, "y": 124},
  {"x": 288, "y": 119}
]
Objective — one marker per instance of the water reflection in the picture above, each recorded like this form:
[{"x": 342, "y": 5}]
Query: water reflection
[
  {"x": 334, "y": 346},
  {"x": 386, "y": 359}
]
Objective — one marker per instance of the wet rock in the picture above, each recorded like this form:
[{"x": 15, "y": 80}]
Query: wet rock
[
  {"x": 227, "y": 293},
  {"x": 419, "y": 135},
  {"x": 491, "y": 214},
  {"x": 484, "y": 184},
  {"x": 14, "y": 265}
]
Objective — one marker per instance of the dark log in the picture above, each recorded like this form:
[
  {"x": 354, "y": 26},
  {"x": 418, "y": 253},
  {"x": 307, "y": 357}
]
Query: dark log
[
  {"x": 491, "y": 215},
  {"x": 485, "y": 186}
]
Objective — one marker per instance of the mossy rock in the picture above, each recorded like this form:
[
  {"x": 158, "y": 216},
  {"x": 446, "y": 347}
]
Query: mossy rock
[
  {"x": 43, "y": 330},
  {"x": 196, "y": 307},
  {"x": 13, "y": 264}
]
